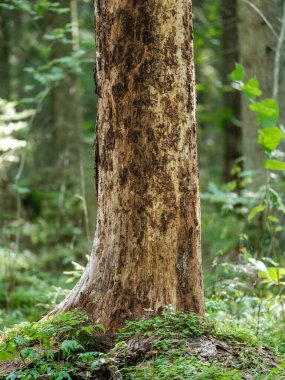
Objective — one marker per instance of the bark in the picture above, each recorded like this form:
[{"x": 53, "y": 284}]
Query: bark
[
  {"x": 146, "y": 251},
  {"x": 257, "y": 44},
  {"x": 232, "y": 100}
]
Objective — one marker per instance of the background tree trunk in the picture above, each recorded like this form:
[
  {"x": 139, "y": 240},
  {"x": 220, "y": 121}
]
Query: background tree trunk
[
  {"x": 5, "y": 91},
  {"x": 65, "y": 102},
  {"x": 146, "y": 251},
  {"x": 232, "y": 99},
  {"x": 256, "y": 40}
]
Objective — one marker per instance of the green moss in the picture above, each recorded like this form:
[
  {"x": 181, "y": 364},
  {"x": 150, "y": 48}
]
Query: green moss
[
  {"x": 166, "y": 325},
  {"x": 171, "y": 346}
]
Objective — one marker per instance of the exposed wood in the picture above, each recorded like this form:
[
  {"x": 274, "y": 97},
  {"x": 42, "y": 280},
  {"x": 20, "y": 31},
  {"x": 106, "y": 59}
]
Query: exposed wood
[{"x": 146, "y": 251}]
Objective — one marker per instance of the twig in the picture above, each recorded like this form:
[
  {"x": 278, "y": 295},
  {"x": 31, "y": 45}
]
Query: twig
[
  {"x": 278, "y": 56},
  {"x": 267, "y": 22}
]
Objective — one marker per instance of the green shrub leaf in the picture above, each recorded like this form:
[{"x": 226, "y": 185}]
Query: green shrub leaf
[
  {"x": 255, "y": 211},
  {"x": 268, "y": 112},
  {"x": 270, "y": 138},
  {"x": 251, "y": 88},
  {"x": 274, "y": 165},
  {"x": 237, "y": 74}
]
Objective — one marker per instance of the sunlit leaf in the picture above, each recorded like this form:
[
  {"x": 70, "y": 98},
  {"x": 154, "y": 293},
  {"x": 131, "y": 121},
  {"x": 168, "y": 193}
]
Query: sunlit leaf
[
  {"x": 255, "y": 211},
  {"x": 237, "y": 74},
  {"x": 251, "y": 88},
  {"x": 270, "y": 138},
  {"x": 268, "y": 112},
  {"x": 274, "y": 165}
]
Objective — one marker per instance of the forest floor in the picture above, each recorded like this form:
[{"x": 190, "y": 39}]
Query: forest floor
[{"x": 171, "y": 346}]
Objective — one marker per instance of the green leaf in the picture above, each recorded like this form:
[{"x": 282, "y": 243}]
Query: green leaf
[
  {"x": 255, "y": 211},
  {"x": 276, "y": 199},
  {"x": 237, "y": 74},
  {"x": 274, "y": 165},
  {"x": 268, "y": 112},
  {"x": 68, "y": 346},
  {"x": 63, "y": 375},
  {"x": 251, "y": 88},
  {"x": 101, "y": 327},
  {"x": 28, "y": 352},
  {"x": 270, "y": 138},
  {"x": 276, "y": 274},
  {"x": 20, "y": 189},
  {"x": 87, "y": 329},
  {"x": 273, "y": 219}
]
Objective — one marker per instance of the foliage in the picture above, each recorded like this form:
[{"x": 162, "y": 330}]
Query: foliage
[
  {"x": 54, "y": 347},
  {"x": 180, "y": 347}
]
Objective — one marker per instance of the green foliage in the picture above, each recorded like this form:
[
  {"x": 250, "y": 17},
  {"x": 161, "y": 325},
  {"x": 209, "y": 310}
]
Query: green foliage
[
  {"x": 175, "y": 324},
  {"x": 270, "y": 138},
  {"x": 181, "y": 348},
  {"x": 267, "y": 111},
  {"x": 251, "y": 88},
  {"x": 36, "y": 9},
  {"x": 237, "y": 75},
  {"x": 51, "y": 348},
  {"x": 274, "y": 165}
]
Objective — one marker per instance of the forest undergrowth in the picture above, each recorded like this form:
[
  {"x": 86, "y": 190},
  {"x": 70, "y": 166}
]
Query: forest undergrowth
[{"x": 170, "y": 346}]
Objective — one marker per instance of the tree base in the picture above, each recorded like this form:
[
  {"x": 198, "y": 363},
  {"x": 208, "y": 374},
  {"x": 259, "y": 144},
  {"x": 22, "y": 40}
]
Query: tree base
[{"x": 171, "y": 346}]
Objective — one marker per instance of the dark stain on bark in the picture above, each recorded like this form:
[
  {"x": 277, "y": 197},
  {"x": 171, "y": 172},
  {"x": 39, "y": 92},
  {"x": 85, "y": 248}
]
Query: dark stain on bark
[
  {"x": 109, "y": 142},
  {"x": 119, "y": 89},
  {"x": 123, "y": 176}
]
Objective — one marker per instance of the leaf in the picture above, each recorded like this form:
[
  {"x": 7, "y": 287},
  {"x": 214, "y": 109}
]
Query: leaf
[
  {"x": 20, "y": 189},
  {"x": 273, "y": 219},
  {"x": 98, "y": 363},
  {"x": 268, "y": 112},
  {"x": 274, "y": 165},
  {"x": 270, "y": 138},
  {"x": 258, "y": 265},
  {"x": 87, "y": 329},
  {"x": 68, "y": 346},
  {"x": 276, "y": 274},
  {"x": 251, "y": 88},
  {"x": 63, "y": 375},
  {"x": 255, "y": 211},
  {"x": 28, "y": 352},
  {"x": 276, "y": 199},
  {"x": 237, "y": 74},
  {"x": 101, "y": 327},
  {"x": 5, "y": 355}
]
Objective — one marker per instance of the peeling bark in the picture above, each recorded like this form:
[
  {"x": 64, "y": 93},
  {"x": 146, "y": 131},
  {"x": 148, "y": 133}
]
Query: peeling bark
[{"x": 146, "y": 251}]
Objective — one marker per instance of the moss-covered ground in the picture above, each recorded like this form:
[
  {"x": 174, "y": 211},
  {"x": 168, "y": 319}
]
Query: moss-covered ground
[{"x": 171, "y": 346}]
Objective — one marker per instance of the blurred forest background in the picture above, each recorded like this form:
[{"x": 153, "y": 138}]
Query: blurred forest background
[{"x": 47, "y": 123}]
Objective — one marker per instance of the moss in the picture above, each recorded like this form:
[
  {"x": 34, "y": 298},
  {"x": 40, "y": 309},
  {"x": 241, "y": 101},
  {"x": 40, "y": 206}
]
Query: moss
[{"x": 169, "y": 346}]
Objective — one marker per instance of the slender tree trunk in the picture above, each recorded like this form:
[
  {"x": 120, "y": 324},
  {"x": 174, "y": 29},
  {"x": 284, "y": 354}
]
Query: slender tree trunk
[
  {"x": 5, "y": 91},
  {"x": 65, "y": 103},
  {"x": 257, "y": 42},
  {"x": 146, "y": 251},
  {"x": 232, "y": 100}
]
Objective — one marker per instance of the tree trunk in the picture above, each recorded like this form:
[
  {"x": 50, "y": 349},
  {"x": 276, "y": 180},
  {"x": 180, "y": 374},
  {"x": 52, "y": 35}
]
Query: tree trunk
[
  {"x": 146, "y": 251},
  {"x": 232, "y": 100},
  {"x": 257, "y": 44},
  {"x": 65, "y": 106},
  {"x": 5, "y": 92}
]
